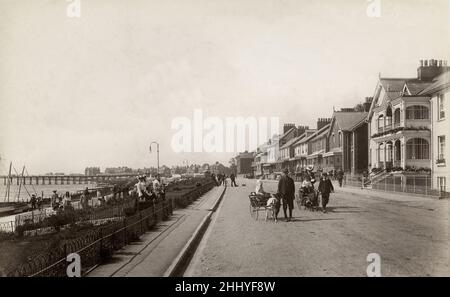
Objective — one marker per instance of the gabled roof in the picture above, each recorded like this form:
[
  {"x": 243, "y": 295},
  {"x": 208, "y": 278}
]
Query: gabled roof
[
  {"x": 323, "y": 131},
  {"x": 290, "y": 142},
  {"x": 347, "y": 120},
  {"x": 305, "y": 137},
  {"x": 439, "y": 83},
  {"x": 286, "y": 133},
  {"x": 415, "y": 86},
  {"x": 394, "y": 86}
]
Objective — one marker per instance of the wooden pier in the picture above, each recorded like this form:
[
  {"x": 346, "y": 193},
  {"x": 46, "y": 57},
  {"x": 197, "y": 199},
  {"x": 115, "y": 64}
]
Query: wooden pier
[{"x": 62, "y": 179}]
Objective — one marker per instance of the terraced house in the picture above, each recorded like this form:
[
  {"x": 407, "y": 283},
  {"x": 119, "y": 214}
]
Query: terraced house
[
  {"x": 287, "y": 149},
  {"x": 317, "y": 144}
]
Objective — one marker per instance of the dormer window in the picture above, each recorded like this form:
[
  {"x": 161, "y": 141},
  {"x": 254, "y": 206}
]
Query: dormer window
[{"x": 405, "y": 91}]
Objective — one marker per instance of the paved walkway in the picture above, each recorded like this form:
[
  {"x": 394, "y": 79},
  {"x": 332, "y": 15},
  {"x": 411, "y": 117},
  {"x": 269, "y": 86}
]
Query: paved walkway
[
  {"x": 156, "y": 250},
  {"x": 411, "y": 235}
]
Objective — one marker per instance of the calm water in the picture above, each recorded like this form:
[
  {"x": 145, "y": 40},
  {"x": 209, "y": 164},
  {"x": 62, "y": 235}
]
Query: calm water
[{"x": 47, "y": 189}]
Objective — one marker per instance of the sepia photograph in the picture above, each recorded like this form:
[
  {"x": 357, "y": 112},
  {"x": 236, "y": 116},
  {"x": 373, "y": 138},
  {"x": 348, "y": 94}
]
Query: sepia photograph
[{"x": 224, "y": 145}]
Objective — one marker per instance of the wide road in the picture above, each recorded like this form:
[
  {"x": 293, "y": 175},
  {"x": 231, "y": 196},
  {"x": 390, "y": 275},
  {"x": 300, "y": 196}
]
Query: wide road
[{"x": 409, "y": 233}]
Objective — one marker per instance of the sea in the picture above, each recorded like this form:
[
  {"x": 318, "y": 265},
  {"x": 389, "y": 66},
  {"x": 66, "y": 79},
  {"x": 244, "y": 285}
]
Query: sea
[{"x": 47, "y": 190}]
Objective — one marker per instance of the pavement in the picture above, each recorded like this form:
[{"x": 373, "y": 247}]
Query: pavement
[
  {"x": 158, "y": 251},
  {"x": 410, "y": 234}
]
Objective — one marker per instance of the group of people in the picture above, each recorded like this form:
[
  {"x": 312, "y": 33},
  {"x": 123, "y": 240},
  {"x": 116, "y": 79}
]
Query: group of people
[
  {"x": 222, "y": 179},
  {"x": 302, "y": 174},
  {"x": 36, "y": 202},
  {"x": 286, "y": 191},
  {"x": 59, "y": 202},
  {"x": 149, "y": 191}
]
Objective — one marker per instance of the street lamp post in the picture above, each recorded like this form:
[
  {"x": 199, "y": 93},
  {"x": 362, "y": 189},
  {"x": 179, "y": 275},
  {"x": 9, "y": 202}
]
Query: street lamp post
[{"x": 157, "y": 152}]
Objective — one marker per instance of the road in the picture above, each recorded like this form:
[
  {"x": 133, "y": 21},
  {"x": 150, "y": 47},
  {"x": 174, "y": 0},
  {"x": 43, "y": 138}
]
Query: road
[{"x": 409, "y": 233}]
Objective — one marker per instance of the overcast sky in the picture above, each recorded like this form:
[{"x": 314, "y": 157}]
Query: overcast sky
[{"x": 96, "y": 90}]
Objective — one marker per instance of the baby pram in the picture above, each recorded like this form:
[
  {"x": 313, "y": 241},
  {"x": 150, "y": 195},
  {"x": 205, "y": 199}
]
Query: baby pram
[
  {"x": 258, "y": 202},
  {"x": 308, "y": 198}
]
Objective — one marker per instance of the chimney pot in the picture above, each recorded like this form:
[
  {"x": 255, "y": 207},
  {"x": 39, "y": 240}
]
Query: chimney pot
[
  {"x": 444, "y": 63},
  {"x": 421, "y": 63},
  {"x": 425, "y": 63}
]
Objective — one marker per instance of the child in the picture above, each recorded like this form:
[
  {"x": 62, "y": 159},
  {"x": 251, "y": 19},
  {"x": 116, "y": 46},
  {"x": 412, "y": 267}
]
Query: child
[{"x": 273, "y": 203}]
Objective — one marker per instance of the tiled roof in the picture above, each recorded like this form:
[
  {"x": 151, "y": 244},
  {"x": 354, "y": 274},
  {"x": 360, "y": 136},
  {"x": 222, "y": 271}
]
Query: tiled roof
[
  {"x": 290, "y": 142},
  {"x": 415, "y": 85},
  {"x": 287, "y": 132},
  {"x": 347, "y": 120},
  {"x": 394, "y": 86},
  {"x": 437, "y": 84}
]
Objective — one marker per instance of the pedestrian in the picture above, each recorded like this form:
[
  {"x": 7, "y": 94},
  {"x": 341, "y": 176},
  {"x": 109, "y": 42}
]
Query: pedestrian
[
  {"x": 33, "y": 201},
  {"x": 39, "y": 203},
  {"x": 55, "y": 200},
  {"x": 286, "y": 188},
  {"x": 233, "y": 180},
  {"x": 224, "y": 180},
  {"x": 325, "y": 188},
  {"x": 340, "y": 177},
  {"x": 67, "y": 200}
]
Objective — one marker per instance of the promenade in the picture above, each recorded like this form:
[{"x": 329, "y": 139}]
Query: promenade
[
  {"x": 161, "y": 251},
  {"x": 409, "y": 233}
]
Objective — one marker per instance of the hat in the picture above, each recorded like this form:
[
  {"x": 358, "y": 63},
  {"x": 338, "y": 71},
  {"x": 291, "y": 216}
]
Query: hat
[
  {"x": 310, "y": 167},
  {"x": 54, "y": 191},
  {"x": 325, "y": 174},
  {"x": 285, "y": 170}
]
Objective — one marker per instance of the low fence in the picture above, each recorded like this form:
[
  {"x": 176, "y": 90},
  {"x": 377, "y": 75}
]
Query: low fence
[
  {"x": 400, "y": 183},
  {"x": 99, "y": 244},
  {"x": 7, "y": 227}
]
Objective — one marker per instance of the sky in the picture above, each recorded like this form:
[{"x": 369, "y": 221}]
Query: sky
[{"x": 98, "y": 89}]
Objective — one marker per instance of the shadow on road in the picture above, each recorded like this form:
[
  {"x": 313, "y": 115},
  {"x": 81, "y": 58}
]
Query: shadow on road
[
  {"x": 336, "y": 209},
  {"x": 310, "y": 220}
]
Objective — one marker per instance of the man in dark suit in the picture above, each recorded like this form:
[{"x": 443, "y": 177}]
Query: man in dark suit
[
  {"x": 325, "y": 188},
  {"x": 286, "y": 188}
]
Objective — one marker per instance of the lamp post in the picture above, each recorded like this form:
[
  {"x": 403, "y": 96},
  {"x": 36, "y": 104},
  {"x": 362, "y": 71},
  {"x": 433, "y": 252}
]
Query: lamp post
[{"x": 157, "y": 152}]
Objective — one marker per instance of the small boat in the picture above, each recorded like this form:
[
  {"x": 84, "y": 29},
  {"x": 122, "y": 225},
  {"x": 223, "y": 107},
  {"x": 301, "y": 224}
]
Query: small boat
[{"x": 12, "y": 208}]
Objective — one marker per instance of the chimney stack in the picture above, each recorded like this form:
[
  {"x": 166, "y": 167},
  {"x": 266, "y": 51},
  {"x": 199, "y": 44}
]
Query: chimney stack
[
  {"x": 301, "y": 130},
  {"x": 322, "y": 122},
  {"x": 431, "y": 68},
  {"x": 287, "y": 127}
]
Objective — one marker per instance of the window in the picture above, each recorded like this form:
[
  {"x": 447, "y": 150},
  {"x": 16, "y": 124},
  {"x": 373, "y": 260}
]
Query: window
[
  {"x": 441, "y": 147},
  {"x": 397, "y": 116},
  {"x": 441, "y": 111},
  {"x": 340, "y": 138},
  {"x": 441, "y": 183},
  {"x": 333, "y": 139},
  {"x": 417, "y": 112},
  {"x": 417, "y": 149},
  {"x": 381, "y": 122}
]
